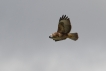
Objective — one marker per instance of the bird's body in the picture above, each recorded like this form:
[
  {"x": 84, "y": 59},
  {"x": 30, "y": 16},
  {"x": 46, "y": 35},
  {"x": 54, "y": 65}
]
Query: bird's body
[
  {"x": 64, "y": 27},
  {"x": 58, "y": 36}
]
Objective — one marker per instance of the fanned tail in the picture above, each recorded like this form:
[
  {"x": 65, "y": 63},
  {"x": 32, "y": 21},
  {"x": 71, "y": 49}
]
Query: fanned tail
[{"x": 73, "y": 36}]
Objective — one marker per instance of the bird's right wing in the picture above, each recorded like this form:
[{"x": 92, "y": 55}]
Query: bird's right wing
[{"x": 64, "y": 25}]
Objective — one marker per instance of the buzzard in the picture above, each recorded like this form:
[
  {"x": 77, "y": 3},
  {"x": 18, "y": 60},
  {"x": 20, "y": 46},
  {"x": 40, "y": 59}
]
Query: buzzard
[{"x": 63, "y": 31}]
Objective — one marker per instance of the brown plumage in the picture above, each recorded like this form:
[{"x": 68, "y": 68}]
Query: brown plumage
[{"x": 64, "y": 27}]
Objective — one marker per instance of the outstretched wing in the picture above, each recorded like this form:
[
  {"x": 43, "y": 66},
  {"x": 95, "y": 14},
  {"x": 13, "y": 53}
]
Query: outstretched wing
[{"x": 64, "y": 25}]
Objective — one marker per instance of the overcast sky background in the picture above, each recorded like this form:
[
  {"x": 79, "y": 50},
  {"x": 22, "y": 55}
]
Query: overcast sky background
[{"x": 25, "y": 26}]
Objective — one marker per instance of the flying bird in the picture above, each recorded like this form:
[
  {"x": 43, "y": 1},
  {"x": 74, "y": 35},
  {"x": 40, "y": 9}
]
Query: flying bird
[{"x": 63, "y": 31}]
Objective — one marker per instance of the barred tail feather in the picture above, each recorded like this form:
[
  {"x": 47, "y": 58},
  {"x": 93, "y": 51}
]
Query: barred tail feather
[{"x": 73, "y": 36}]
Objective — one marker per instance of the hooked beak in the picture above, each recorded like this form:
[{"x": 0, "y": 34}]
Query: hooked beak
[{"x": 49, "y": 36}]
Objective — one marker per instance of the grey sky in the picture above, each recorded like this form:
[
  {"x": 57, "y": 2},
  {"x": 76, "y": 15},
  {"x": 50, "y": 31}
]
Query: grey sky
[{"x": 25, "y": 26}]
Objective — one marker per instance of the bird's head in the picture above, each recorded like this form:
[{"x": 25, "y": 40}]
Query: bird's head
[{"x": 54, "y": 35}]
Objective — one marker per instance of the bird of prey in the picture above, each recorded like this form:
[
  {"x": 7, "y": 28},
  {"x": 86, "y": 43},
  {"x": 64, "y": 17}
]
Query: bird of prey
[{"x": 63, "y": 31}]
